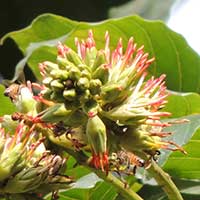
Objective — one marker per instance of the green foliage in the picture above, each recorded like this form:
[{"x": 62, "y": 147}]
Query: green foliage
[
  {"x": 186, "y": 166},
  {"x": 6, "y": 106},
  {"x": 173, "y": 55}
]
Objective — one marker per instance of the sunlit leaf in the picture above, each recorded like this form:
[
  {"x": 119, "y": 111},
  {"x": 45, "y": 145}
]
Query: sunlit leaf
[
  {"x": 183, "y": 104},
  {"x": 173, "y": 55}
]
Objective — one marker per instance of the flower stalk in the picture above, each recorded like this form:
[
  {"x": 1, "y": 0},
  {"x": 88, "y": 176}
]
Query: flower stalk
[{"x": 164, "y": 180}]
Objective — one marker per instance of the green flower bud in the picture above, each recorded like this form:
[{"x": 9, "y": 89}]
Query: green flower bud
[
  {"x": 110, "y": 92},
  {"x": 73, "y": 57},
  {"x": 95, "y": 86},
  {"x": 56, "y": 85},
  {"x": 83, "y": 83},
  {"x": 90, "y": 56},
  {"x": 86, "y": 73},
  {"x": 55, "y": 113},
  {"x": 70, "y": 94},
  {"x": 85, "y": 96},
  {"x": 8, "y": 161},
  {"x": 101, "y": 73},
  {"x": 8, "y": 124},
  {"x": 84, "y": 67},
  {"x": 49, "y": 66},
  {"x": 27, "y": 180},
  {"x": 47, "y": 81},
  {"x": 25, "y": 102},
  {"x": 99, "y": 60},
  {"x": 74, "y": 73},
  {"x": 96, "y": 134},
  {"x": 59, "y": 74},
  {"x": 124, "y": 116}
]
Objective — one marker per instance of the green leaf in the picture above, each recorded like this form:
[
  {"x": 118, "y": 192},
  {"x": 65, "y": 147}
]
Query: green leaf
[
  {"x": 182, "y": 133},
  {"x": 43, "y": 28},
  {"x": 103, "y": 191},
  {"x": 186, "y": 166},
  {"x": 87, "y": 181},
  {"x": 173, "y": 55},
  {"x": 182, "y": 104},
  {"x": 6, "y": 105},
  {"x": 186, "y": 188}
]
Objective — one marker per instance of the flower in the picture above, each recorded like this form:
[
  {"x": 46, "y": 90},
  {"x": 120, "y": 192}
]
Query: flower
[
  {"x": 112, "y": 95},
  {"x": 25, "y": 162}
]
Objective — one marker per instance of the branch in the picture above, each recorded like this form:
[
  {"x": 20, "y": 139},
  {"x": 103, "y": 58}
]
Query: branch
[{"x": 164, "y": 180}]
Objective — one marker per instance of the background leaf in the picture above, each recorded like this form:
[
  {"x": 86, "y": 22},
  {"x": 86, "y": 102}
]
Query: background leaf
[
  {"x": 7, "y": 107},
  {"x": 186, "y": 166},
  {"x": 173, "y": 55},
  {"x": 182, "y": 104},
  {"x": 182, "y": 133},
  {"x": 101, "y": 191}
]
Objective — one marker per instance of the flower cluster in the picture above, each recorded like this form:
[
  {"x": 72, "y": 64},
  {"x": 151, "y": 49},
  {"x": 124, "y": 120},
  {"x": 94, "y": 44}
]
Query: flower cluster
[
  {"x": 26, "y": 166},
  {"x": 97, "y": 101},
  {"x": 106, "y": 93}
]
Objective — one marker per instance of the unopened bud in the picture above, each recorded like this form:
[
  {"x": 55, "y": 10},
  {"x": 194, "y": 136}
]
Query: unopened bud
[
  {"x": 95, "y": 86},
  {"x": 96, "y": 134},
  {"x": 74, "y": 73},
  {"x": 111, "y": 92},
  {"x": 101, "y": 73},
  {"x": 27, "y": 180},
  {"x": 47, "y": 81},
  {"x": 55, "y": 113},
  {"x": 70, "y": 94},
  {"x": 56, "y": 85},
  {"x": 100, "y": 59},
  {"x": 83, "y": 83},
  {"x": 73, "y": 57}
]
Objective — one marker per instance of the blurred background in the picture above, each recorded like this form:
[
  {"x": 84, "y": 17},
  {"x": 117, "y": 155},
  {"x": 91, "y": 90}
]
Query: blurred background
[{"x": 181, "y": 15}]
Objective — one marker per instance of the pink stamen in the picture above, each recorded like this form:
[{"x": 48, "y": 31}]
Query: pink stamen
[
  {"x": 62, "y": 49},
  {"x": 159, "y": 124},
  {"x": 42, "y": 67},
  {"x": 107, "y": 49},
  {"x": 91, "y": 114},
  {"x": 44, "y": 101}
]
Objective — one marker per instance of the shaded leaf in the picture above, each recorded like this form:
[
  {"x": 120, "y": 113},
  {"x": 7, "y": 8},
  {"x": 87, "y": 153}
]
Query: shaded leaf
[
  {"x": 7, "y": 107},
  {"x": 78, "y": 172},
  {"x": 186, "y": 166},
  {"x": 103, "y": 191},
  {"x": 182, "y": 133},
  {"x": 173, "y": 55},
  {"x": 156, "y": 193}
]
